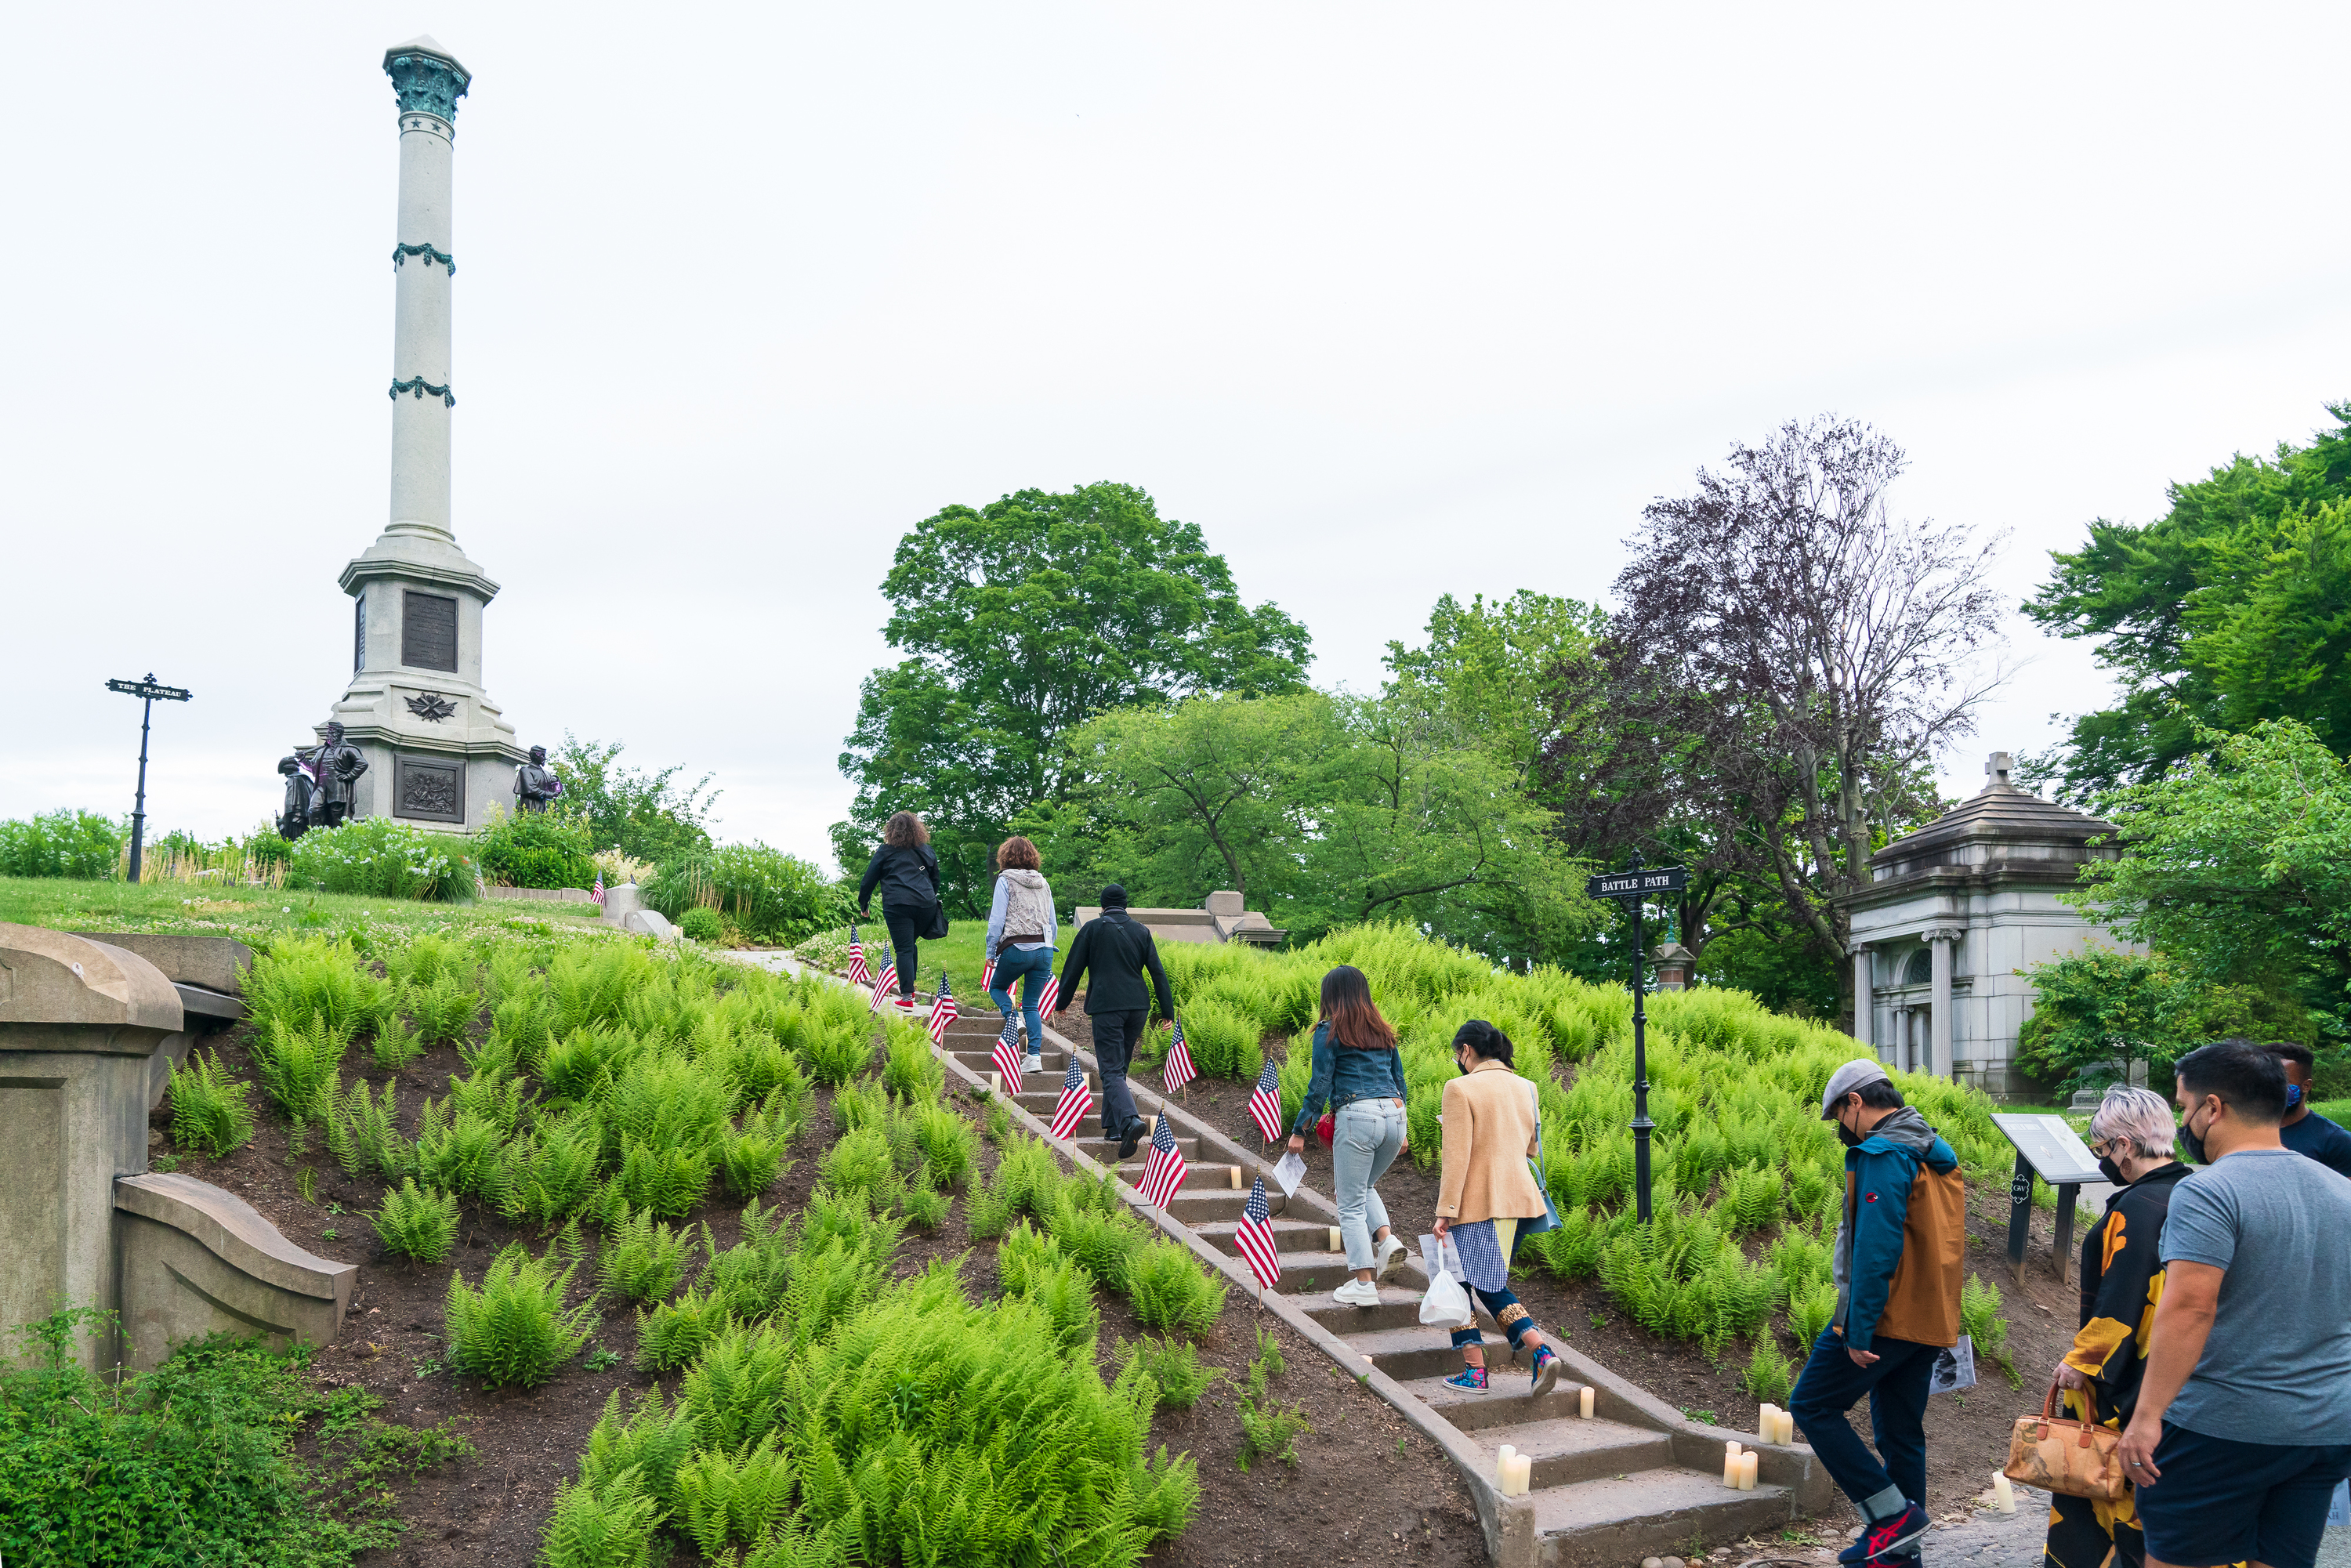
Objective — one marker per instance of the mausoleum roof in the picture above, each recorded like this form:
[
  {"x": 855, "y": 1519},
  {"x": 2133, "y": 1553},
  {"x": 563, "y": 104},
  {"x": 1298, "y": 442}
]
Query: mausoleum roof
[{"x": 2001, "y": 830}]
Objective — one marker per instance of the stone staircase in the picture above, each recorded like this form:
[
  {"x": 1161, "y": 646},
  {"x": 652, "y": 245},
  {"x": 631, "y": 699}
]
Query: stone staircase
[{"x": 1603, "y": 1491}]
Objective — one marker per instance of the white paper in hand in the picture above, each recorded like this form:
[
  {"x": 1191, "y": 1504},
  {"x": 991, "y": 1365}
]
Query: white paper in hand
[
  {"x": 1289, "y": 1171},
  {"x": 1441, "y": 1258}
]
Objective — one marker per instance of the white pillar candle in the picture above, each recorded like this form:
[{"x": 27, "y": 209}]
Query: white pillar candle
[
  {"x": 1335, "y": 1245},
  {"x": 1523, "y": 1468},
  {"x": 2003, "y": 1493},
  {"x": 1730, "y": 1464},
  {"x": 1584, "y": 1401},
  {"x": 1786, "y": 1427},
  {"x": 1767, "y": 1423},
  {"x": 1747, "y": 1465}
]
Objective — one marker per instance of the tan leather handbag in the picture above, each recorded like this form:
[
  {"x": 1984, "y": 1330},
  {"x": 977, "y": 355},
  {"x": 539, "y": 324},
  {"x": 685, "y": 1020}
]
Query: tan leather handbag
[{"x": 2058, "y": 1454}]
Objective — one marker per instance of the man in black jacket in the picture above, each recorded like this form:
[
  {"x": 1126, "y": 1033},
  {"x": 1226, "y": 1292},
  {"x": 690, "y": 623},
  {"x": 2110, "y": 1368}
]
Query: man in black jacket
[{"x": 1118, "y": 951}]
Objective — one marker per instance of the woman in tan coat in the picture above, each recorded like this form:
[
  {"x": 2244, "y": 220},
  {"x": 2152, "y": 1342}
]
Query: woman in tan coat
[{"x": 1491, "y": 1127}]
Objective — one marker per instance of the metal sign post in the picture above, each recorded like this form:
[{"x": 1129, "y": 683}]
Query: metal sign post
[
  {"x": 1636, "y": 884},
  {"x": 2047, "y": 1147},
  {"x": 150, "y": 694}
]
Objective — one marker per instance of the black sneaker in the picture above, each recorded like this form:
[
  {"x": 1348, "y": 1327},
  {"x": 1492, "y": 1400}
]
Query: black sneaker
[{"x": 1130, "y": 1140}]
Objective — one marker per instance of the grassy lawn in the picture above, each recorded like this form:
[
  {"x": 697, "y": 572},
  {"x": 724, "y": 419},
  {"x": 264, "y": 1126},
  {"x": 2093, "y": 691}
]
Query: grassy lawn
[
  {"x": 961, "y": 954},
  {"x": 253, "y": 914}
]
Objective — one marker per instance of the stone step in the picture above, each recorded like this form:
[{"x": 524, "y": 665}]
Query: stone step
[
  {"x": 1593, "y": 1521},
  {"x": 1419, "y": 1352},
  {"x": 1306, "y": 1236},
  {"x": 1195, "y": 1207},
  {"x": 1196, "y": 1177},
  {"x": 1510, "y": 1400},
  {"x": 1566, "y": 1449},
  {"x": 1091, "y": 1142},
  {"x": 1398, "y": 1308}
]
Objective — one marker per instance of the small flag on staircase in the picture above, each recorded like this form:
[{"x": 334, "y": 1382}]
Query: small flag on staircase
[
  {"x": 1076, "y": 1100},
  {"x": 1008, "y": 1058},
  {"x": 1180, "y": 1070},
  {"x": 857, "y": 973},
  {"x": 1254, "y": 1237},
  {"x": 1164, "y": 1171},
  {"x": 1265, "y": 1103},
  {"x": 943, "y": 1011}
]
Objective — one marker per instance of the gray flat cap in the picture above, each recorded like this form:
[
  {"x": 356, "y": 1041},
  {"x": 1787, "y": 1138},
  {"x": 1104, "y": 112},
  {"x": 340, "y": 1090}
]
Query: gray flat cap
[{"x": 1845, "y": 1080}]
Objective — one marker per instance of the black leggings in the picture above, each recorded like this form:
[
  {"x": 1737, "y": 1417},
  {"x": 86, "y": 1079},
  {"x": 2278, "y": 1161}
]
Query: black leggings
[{"x": 904, "y": 923}]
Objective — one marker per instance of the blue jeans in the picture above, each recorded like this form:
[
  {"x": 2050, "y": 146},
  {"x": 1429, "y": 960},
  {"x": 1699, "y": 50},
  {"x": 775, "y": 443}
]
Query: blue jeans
[
  {"x": 1364, "y": 1143},
  {"x": 1034, "y": 964},
  {"x": 1832, "y": 1385}
]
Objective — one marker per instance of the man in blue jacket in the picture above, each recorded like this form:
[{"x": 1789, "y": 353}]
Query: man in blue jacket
[{"x": 1901, "y": 1254}]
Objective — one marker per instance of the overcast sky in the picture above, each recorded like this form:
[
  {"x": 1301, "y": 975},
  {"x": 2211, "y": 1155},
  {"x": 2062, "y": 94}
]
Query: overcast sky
[{"x": 1391, "y": 301}]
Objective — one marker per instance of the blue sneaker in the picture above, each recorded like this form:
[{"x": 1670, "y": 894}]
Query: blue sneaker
[
  {"x": 1468, "y": 1380},
  {"x": 1894, "y": 1540},
  {"x": 1546, "y": 1370}
]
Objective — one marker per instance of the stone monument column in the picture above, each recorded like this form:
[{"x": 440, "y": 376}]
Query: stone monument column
[
  {"x": 439, "y": 750},
  {"x": 1939, "y": 1023},
  {"x": 1863, "y": 1020}
]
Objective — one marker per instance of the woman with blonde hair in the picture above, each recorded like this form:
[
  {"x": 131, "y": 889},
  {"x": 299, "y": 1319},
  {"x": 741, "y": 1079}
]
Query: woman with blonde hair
[
  {"x": 907, "y": 871},
  {"x": 2131, "y": 1133},
  {"x": 1492, "y": 1129},
  {"x": 1021, "y": 933}
]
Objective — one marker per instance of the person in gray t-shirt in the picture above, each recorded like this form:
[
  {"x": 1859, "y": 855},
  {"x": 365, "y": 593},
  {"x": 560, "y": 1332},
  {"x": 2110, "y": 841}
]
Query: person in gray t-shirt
[{"x": 2243, "y": 1423}]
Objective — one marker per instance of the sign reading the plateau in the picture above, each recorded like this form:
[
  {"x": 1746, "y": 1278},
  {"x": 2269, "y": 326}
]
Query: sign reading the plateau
[
  {"x": 150, "y": 690},
  {"x": 1636, "y": 883}
]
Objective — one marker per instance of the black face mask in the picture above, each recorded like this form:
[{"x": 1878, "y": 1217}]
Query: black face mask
[
  {"x": 2190, "y": 1144},
  {"x": 1847, "y": 1136},
  {"x": 2111, "y": 1171}
]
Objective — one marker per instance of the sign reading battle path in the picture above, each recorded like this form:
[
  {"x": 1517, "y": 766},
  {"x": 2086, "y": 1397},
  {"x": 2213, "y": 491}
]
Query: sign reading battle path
[{"x": 1636, "y": 883}]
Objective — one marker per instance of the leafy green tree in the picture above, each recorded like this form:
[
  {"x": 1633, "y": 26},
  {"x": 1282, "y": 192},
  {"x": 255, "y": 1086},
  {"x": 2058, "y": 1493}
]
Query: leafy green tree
[
  {"x": 1019, "y": 621},
  {"x": 2236, "y": 866},
  {"x": 648, "y": 815},
  {"x": 2106, "y": 1008},
  {"x": 2233, "y": 607},
  {"x": 1493, "y": 673}
]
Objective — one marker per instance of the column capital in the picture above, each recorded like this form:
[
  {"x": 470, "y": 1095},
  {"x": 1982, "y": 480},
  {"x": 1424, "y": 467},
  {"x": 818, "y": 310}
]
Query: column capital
[
  {"x": 427, "y": 78},
  {"x": 1855, "y": 949},
  {"x": 1942, "y": 933}
]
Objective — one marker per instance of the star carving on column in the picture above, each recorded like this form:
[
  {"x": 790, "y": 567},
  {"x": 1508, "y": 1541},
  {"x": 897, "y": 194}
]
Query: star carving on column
[{"x": 431, "y": 707}]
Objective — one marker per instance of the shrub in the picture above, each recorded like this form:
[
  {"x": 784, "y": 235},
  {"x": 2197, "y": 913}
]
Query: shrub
[
  {"x": 299, "y": 1065},
  {"x": 1173, "y": 1367},
  {"x": 208, "y": 1110},
  {"x": 78, "y": 845},
  {"x": 514, "y": 1331},
  {"x": 912, "y": 1070},
  {"x": 703, "y": 925},
  {"x": 674, "y": 1333},
  {"x": 395, "y": 1045},
  {"x": 550, "y": 1173},
  {"x": 444, "y": 1011},
  {"x": 416, "y": 1222},
  {"x": 1170, "y": 1291},
  {"x": 300, "y": 979},
  {"x": 836, "y": 1055},
  {"x": 225, "y": 1453},
  {"x": 771, "y": 897},
  {"x": 606, "y": 1526},
  {"x": 950, "y": 1144},
  {"x": 382, "y": 858},
  {"x": 669, "y": 1181},
  {"x": 535, "y": 849}
]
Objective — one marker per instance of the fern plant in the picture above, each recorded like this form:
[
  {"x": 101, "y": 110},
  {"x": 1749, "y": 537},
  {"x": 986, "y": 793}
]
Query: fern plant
[
  {"x": 395, "y": 1044},
  {"x": 514, "y": 1329},
  {"x": 728, "y": 1501},
  {"x": 1809, "y": 1311},
  {"x": 950, "y": 1144},
  {"x": 550, "y": 1173},
  {"x": 442, "y": 1011},
  {"x": 607, "y": 1525},
  {"x": 416, "y": 1222},
  {"x": 1170, "y": 1291},
  {"x": 466, "y": 1155},
  {"x": 1270, "y": 1432},
  {"x": 674, "y": 1333},
  {"x": 836, "y": 1055},
  {"x": 298, "y": 1064},
  {"x": 1980, "y": 1305},
  {"x": 911, "y": 1070},
  {"x": 653, "y": 1442},
  {"x": 642, "y": 1260},
  {"x": 1769, "y": 1375},
  {"x": 209, "y": 1113},
  {"x": 364, "y": 1134},
  {"x": 1173, "y": 1367},
  {"x": 668, "y": 1181}
]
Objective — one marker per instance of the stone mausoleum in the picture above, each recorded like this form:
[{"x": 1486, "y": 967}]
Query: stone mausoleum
[
  {"x": 439, "y": 750},
  {"x": 1951, "y": 914}
]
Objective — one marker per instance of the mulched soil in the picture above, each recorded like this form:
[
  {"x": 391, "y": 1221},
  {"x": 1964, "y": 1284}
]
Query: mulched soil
[
  {"x": 491, "y": 1508},
  {"x": 1967, "y": 1434}
]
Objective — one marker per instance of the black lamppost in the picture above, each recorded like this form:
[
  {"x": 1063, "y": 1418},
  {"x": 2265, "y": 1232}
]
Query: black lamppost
[
  {"x": 150, "y": 694},
  {"x": 1636, "y": 885}
]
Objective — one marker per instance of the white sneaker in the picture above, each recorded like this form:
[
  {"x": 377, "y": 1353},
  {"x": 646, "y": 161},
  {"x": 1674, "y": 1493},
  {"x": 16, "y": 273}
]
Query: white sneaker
[
  {"x": 1390, "y": 1252},
  {"x": 1032, "y": 1064},
  {"x": 1357, "y": 1293}
]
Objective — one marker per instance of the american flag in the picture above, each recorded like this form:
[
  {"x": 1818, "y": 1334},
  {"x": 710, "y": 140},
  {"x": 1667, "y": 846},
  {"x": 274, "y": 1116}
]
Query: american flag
[
  {"x": 885, "y": 979},
  {"x": 596, "y": 893},
  {"x": 943, "y": 1011},
  {"x": 858, "y": 974},
  {"x": 1163, "y": 1173},
  {"x": 1265, "y": 1103},
  {"x": 1076, "y": 1100},
  {"x": 1047, "y": 1004},
  {"x": 987, "y": 974},
  {"x": 1254, "y": 1237},
  {"x": 1008, "y": 1058},
  {"x": 1180, "y": 1070}
]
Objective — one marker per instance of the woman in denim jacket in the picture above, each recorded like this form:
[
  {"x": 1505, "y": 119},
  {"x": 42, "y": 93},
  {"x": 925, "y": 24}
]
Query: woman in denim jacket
[{"x": 1360, "y": 1075}]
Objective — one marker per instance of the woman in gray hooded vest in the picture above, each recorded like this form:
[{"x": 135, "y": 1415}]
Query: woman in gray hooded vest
[{"x": 1021, "y": 933}]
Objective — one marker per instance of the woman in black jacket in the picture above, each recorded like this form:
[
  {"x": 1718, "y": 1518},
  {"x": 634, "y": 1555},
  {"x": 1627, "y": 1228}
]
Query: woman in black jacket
[{"x": 907, "y": 871}]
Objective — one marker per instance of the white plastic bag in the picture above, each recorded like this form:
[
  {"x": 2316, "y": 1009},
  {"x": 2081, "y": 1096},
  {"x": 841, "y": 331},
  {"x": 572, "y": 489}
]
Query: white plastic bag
[{"x": 1446, "y": 1305}]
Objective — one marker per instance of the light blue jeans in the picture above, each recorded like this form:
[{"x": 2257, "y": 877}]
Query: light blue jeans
[
  {"x": 1363, "y": 1142},
  {"x": 1033, "y": 967}
]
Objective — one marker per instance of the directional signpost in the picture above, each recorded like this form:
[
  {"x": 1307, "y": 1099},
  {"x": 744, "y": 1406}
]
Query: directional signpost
[
  {"x": 1637, "y": 886},
  {"x": 150, "y": 694},
  {"x": 2046, "y": 1146}
]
